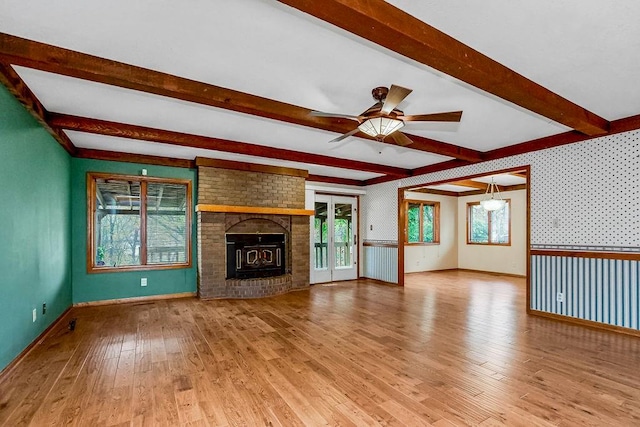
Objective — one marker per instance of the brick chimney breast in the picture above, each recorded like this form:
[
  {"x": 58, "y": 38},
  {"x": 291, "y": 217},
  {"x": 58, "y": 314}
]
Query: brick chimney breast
[{"x": 218, "y": 186}]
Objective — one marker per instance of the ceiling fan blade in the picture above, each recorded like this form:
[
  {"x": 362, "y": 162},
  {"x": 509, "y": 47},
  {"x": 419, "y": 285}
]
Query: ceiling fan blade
[
  {"x": 452, "y": 116},
  {"x": 375, "y": 107},
  {"x": 337, "y": 116},
  {"x": 395, "y": 96},
  {"x": 401, "y": 139},
  {"x": 346, "y": 135}
]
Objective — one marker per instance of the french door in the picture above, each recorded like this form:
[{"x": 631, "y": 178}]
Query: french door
[{"x": 334, "y": 234}]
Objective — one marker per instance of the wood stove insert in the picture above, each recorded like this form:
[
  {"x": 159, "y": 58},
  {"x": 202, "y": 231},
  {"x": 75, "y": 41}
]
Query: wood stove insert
[{"x": 255, "y": 255}]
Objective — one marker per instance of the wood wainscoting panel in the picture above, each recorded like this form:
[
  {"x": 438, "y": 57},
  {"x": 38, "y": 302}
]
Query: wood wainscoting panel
[
  {"x": 380, "y": 258},
  {"x": 600, "y": 287}
]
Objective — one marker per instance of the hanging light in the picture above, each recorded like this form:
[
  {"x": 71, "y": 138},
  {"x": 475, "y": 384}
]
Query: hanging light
[
  {"x": 492, "y": 202},
  {"x": 379, "y": 127}
]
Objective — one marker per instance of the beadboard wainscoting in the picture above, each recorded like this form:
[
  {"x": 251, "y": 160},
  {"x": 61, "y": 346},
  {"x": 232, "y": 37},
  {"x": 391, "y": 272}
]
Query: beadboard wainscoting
[
  {"x": 381, "y": 260},
  {"x": 594, "y": 286}
]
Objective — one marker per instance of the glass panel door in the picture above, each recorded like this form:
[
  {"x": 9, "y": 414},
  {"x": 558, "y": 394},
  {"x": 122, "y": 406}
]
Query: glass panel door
[
  {"x": 334, "y": 239},
  {"x": 321, "y": 236},
  {"x": 343, "y": 235}
]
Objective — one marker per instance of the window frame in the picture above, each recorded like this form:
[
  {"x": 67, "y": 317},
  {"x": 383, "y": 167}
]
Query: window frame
[
  {"x": 144, "y": 181},
  {"x": 436, "y": 222},
  {"x": 489, "y": 242}
]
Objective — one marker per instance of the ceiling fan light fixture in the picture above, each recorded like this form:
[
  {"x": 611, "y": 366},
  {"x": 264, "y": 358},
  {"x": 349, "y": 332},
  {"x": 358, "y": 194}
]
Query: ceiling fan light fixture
[{"x": 379, "y": 127}]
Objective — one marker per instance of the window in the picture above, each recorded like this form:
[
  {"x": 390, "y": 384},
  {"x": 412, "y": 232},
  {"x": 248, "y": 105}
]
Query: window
[
  {"x": 488, "y": 227},
  {"x": 422, "y": 222},
  {"x": 138, "y": 222}
]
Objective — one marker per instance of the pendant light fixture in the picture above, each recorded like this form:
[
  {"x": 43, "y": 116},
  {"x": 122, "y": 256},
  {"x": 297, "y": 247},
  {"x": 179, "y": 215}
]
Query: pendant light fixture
[{"x": 492, "y": 200}]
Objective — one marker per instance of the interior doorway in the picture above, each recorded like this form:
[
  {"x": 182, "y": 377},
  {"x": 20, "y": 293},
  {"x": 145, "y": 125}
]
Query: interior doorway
[
  {"x": 335, "y": 238},
  {"x": 472, "y": 236}
]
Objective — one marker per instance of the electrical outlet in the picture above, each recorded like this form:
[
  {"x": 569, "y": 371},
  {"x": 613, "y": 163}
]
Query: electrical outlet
[
  {"x": 35, "y": 314},
  {"x": 556, "y": 223},
  {"x": 560, "y": 297},
  {"x": 44, "y": 308},
  {"x": 143, "y": 281}
]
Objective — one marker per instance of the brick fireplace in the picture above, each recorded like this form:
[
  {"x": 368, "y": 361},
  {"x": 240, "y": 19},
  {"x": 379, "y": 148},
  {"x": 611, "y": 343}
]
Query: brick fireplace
[{"x": 267, "y": 203}]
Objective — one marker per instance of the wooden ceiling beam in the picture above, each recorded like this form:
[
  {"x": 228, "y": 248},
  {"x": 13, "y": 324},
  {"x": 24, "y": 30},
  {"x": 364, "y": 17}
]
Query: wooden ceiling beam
[
  {"x": 103, "y": 127},
  {"x": 443, "y": 148},
  {"x": 519, "y": 174},
  {"x": 41, "y": 56},
  {"x": 23, "y": 94},
  {"x": 503, "y": 188},
  {"x": 115, "y": 156},
  {"x": 434, "y": 191},
  {"x": 335, "y": 180},
  {"x": 437, "y": 167},
  {"x": 379, "y": 180},
  {"x": 514, "y": 187},
  {"x": 469, "y": 183},
  {"x": 625, "y": 124},
  {"x": 250, "y": 167},
  {"x": 536, "y": 144},
  {"x": 87, "y": 153},
  {"x": 386, "y": 25}
]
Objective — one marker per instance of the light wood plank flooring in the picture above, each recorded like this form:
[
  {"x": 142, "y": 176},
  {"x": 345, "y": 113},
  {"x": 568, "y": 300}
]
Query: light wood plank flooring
[{"x": 451, "y": 348}]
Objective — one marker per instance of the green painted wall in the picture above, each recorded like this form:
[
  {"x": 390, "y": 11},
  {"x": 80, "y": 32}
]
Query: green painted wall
[
  {"x": 35, "y": 238},
  {"x": 106, "y": 286},
  {"x": 43, "y": 232}
]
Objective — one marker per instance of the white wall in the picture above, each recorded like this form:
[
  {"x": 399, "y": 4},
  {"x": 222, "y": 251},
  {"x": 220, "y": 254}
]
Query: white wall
[
  {"x": 510, "y": 259},
  {"x": 435, "y": 257}
]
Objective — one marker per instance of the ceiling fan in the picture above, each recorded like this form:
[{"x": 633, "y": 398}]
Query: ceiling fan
[{"x": 383, "y": 119}]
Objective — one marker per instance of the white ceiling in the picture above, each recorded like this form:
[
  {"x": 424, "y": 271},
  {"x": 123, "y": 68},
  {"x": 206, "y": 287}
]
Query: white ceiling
[{"x": 583, "y": 50}]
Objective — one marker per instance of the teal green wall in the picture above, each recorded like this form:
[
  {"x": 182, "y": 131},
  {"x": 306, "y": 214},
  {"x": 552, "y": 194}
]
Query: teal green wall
[
  {"x": 43, "y": 232},
  {"x": 106, "y": 286},
  {"x": 35, "y": 238}
]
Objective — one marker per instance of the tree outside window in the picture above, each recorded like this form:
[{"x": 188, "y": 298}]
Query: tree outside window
[
  {"x": 138, "y": 222},
  {"x": 488, "y": 227},
  {"x": 422, "y": 222}
]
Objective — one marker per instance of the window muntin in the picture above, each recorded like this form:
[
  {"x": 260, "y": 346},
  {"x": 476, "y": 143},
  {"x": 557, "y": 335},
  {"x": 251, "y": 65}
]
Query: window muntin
[
  {"x": 126, "y": 233},
  {"x": 488, "y": 227},
  {"x": 422, "y": 222}
]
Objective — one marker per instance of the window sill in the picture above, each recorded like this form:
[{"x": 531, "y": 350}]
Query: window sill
[
  {"x": 128, "y": 268},
  {"x": 421, "y": 244}
]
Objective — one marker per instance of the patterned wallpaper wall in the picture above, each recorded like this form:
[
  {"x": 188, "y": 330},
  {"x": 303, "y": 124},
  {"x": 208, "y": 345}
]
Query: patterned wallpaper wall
[
  {"x": 379, "y": 212},
  {"x": 582, "y": 195}
]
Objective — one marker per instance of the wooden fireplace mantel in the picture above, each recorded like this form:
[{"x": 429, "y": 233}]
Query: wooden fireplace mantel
[{"x": 253, "y": 210}]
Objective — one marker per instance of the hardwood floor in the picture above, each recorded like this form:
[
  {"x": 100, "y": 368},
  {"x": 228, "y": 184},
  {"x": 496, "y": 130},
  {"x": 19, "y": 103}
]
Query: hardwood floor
[{"x": 451, "y": 348}]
